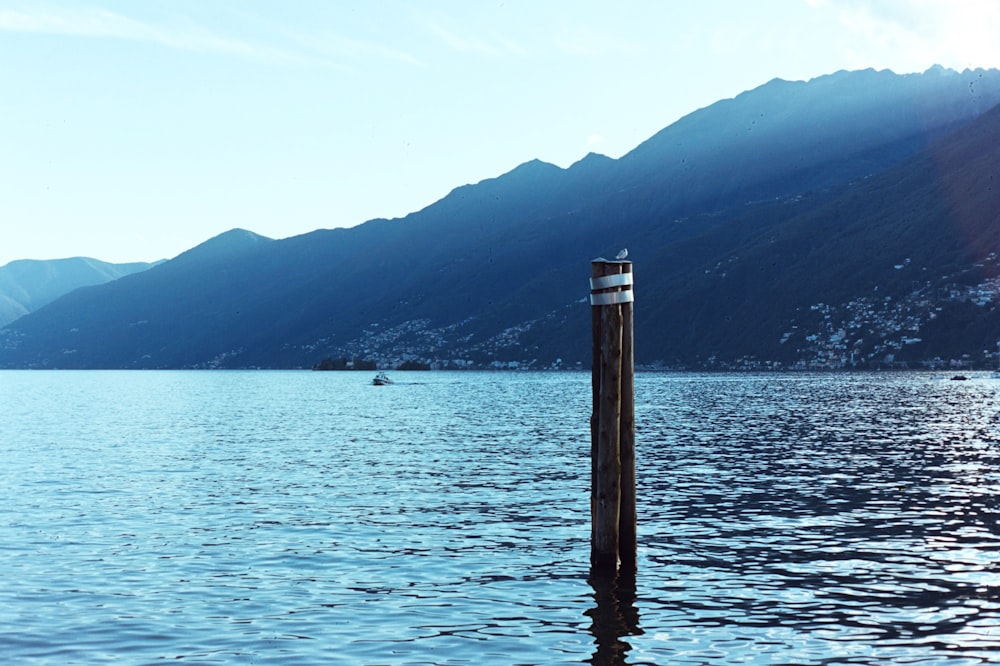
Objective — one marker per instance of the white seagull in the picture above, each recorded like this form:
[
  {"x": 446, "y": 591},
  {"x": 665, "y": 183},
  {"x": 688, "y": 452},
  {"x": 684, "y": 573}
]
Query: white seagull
[{"x": 622, "y": 254}]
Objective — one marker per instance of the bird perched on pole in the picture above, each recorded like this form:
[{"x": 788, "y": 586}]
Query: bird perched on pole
[{"x": 621, "y": 255}]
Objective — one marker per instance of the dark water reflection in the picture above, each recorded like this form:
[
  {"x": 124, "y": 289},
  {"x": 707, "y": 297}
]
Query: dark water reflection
[{"x": 614, "y": 616}]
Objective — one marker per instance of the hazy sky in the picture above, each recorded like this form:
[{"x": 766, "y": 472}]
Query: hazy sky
[{"x": 134, "y": 130}]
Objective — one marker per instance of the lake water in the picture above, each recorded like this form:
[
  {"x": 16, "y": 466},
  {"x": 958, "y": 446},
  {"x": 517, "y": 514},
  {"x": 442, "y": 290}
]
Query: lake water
[{"x": 306, "y": 517}]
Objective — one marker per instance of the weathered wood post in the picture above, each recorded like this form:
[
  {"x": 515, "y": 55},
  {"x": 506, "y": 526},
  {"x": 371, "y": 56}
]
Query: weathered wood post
[
  {"x": 627, "y": 517},
  {"x": 612, "y": 422}
]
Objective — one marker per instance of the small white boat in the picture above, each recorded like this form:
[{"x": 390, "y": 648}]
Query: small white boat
[{"x": 381, "y": 379}]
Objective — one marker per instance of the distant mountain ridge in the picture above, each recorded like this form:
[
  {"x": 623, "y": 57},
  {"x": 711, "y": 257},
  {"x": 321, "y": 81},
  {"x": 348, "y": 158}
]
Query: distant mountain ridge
[
  {"x": 799, "y": 136},
  {"x": 756, "y": 225},
  {"x": 27, "y": 284}
]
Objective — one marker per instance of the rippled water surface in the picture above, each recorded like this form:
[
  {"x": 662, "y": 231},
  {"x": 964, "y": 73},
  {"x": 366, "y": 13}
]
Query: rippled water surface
[{"x": 304, "y": 517}]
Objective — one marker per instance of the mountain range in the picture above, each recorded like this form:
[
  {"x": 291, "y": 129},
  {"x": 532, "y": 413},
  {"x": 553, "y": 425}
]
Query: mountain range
[
  {"x": 28, "y": 284},
  {"x": 847, "y": 221}
]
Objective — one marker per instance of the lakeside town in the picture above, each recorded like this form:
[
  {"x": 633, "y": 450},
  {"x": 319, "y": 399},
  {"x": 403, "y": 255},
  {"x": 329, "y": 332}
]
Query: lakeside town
[{"x": 870, "y": 332}]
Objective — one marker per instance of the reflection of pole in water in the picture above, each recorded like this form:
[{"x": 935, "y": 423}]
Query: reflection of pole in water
[{"x": 613, "y": 617}]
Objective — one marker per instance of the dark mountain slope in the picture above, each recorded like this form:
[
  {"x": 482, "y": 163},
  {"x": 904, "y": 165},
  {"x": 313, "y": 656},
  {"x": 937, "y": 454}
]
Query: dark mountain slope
[
  {"x": 196, "y": 297},
  {"x": 802, "y": 136},
  {"x": 868, "y": 264}
]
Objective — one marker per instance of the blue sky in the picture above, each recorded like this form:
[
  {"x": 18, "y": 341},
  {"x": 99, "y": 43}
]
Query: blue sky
[{"x": 134, "y": 130}]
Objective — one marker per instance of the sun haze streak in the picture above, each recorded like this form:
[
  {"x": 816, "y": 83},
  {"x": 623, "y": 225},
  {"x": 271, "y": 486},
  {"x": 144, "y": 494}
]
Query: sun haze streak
[{"x": 908, "y": 34}]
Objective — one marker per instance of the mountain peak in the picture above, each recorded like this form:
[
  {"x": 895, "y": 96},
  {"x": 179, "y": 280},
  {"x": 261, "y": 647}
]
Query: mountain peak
[
  {"x": 238, "y": 236},
  {"x": 532, "y": 168},
  {"x": 234, "y": 241},
  {"x": 938, "y": 69},
  {"x": 593, "y": 158}
]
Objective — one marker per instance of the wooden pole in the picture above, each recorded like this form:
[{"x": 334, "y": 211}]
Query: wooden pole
[
  {"x": 596, "y": 271},
  {"x": 627, "y": 515},
  {"x": 612, "y": 420},
  {"x": 608, "y": 489}
]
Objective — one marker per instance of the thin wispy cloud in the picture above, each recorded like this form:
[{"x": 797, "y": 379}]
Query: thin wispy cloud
[
  {"x": 490, "y": 46},
  {"x": 331, "y": 44},
  {"x": 585, "y": 41},
  {"x": 92, "y": 22},
  {"x": 551, "y": 35}
]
